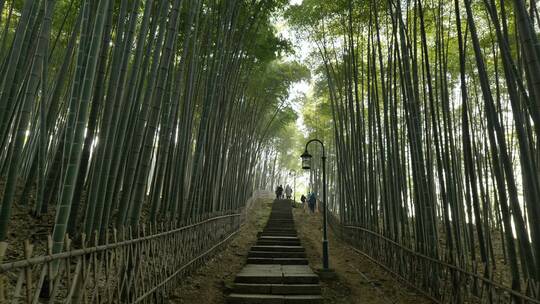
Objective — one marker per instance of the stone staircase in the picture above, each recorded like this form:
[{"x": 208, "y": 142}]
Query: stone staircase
[{"x": 277, "y": 270}]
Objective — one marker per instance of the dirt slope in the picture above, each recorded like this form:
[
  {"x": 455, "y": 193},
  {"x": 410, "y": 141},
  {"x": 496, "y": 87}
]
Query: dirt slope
[{"x": 358, "y": 279}]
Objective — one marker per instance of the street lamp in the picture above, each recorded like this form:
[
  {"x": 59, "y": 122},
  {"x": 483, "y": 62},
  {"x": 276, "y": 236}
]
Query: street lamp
[
  {"x": 306, "y": 160},
  {"x": 306, "y": 165}
]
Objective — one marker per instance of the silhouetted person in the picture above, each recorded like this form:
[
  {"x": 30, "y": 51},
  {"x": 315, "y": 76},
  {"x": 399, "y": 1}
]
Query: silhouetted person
[
  {"x": 288, "y": 192},
  {"x": 312, "y": 200},
  {"x": 279, "y": 192}
]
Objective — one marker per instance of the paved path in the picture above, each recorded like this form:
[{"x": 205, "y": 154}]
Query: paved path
[{"x": 277, "y": 270}]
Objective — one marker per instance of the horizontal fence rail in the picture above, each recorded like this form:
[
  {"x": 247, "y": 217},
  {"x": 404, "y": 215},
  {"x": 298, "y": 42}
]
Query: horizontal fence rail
[
  {"x": 440, "y": 281},
  {"x": 131, "y": 266}
]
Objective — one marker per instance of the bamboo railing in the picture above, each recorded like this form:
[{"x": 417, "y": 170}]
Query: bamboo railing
[
  {"x": 440, "y": 281},
  {"x": 131, "y": 266}
]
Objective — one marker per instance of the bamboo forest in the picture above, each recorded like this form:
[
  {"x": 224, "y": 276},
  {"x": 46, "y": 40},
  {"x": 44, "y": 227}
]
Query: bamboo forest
[{"x": 270, "y": 151}]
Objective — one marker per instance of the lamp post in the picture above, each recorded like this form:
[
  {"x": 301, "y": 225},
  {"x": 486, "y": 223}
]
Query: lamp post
[{"x": 306, "y": 164}]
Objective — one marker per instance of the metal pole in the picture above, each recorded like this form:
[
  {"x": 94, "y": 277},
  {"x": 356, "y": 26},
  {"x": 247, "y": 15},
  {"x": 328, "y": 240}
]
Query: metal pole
[{"x": 325, "y": 237}]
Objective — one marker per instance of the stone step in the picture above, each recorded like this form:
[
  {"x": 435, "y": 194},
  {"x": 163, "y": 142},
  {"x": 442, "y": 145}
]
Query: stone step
[
  {"x": 276, "y": 274},
  {"x": 280, "y": 224},
  {"x": 280, "y": 238},
  {"x": 278, "y": 228},
  {"x": 279, "y": 231},
  {"x": 275, "y": 254},
  {"x": 261, "y": 239},
  {"x": 277, "y": 243},
  {"x": 235, "y": 298},
  {"x": 278, "y": 289},
  {"x": 277, "y": 248},
  {"x": 277, "y": 270},
  {"x": 276, "y": 233},
  {"x": 280, "y": 261}
]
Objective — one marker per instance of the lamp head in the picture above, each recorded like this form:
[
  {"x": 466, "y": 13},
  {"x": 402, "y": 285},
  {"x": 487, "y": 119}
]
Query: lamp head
[{"x": 306, "y": 160}]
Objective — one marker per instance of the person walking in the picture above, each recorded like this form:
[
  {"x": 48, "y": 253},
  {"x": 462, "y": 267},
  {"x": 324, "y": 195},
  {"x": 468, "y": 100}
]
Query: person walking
[
  {"x": 303, "y": 199},
  {"x": 288, "y": 192},
  {"x": 279, "y": 192},
  {"x": 312, "y": 200}
]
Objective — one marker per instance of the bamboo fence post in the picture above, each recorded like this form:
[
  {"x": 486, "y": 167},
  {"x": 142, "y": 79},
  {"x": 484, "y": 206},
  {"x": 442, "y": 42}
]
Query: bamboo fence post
[
  {"x": 3, "y": 248},
  {"x": 28, "y": 248}
]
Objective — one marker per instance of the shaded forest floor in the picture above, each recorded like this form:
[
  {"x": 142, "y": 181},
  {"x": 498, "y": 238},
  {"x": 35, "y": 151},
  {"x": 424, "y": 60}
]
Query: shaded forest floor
[
  {"x": 359, "y": 280},
  {"x": 210, "y": 283},
  {"x": 24, "y": 226}
]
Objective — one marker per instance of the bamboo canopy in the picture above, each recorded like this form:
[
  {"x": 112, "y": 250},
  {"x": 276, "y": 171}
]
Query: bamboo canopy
[
  {"x": 432, "y": 108},
  {"x": 118, "y": 113}
]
